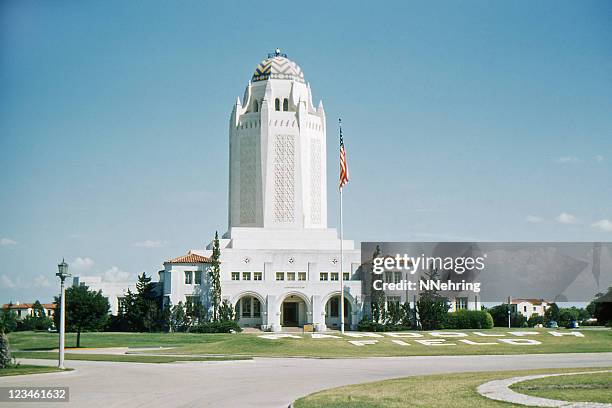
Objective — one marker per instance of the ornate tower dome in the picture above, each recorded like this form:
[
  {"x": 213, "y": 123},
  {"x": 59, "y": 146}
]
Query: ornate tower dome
[
  {"x": 278, "y": 66},
  {"x": 277, "y": 153}
]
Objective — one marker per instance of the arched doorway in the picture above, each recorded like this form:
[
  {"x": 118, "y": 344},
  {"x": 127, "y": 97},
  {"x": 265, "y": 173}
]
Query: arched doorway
[
  {"x": 249, "y": 310},
  {"x": 332, "y": 313},
  {"x": 294, "y": 311}
]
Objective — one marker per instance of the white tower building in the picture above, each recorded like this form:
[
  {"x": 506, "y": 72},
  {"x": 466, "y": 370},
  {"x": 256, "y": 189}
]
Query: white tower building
[{"x": 280, "y": 262}]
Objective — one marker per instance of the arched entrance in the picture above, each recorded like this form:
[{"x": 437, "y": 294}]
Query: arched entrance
[
  {"x": 249, "y": 310},
  {"x": 295, "y": 310},
  {"x": 332, "y": 313}
]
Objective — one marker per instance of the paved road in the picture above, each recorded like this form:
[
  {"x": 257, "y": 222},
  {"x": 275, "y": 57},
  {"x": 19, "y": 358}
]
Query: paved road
[{"x": 262, "y": 382}]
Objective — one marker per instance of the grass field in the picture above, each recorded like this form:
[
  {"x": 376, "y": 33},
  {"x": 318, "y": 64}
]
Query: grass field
[
  {"x": 23, "y": 369},
  {"x": 122, "y": 358},
  {"x": 244, "y": 344},
  {"x": 440, "y": 391},
  {"x": 583, "y": 387}
]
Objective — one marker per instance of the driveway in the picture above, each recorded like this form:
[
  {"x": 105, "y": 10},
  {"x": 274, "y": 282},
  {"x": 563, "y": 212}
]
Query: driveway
[{"x": 262, "y": 382}]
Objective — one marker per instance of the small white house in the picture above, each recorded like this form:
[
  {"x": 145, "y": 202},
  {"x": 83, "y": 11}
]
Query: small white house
[{"x": 530, "y": 307}]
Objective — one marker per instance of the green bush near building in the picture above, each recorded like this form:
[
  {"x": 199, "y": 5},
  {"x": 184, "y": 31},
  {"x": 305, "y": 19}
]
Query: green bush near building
[{"x": 469, "y": 319}]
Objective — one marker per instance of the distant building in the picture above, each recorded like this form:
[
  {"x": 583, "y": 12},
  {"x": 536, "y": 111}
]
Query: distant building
[
  {"x": 113, "y": 291},
  {"x": 529, "y": 307},
  {"x": 22, "y": 310}
]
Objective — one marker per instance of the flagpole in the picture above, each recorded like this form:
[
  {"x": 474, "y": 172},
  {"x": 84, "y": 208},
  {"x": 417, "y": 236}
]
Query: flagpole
[{"x": 341, "y": 254}]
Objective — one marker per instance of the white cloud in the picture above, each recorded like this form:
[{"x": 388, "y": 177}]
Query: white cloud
[
  {"x": 604, "y": 225},
  {"x": 568, "y": 160},
  {"x": 7, "y": 242},
  {"x": 41, "y": 281},
  {"x": 599, "y": 158},
  {"x": 534, "y": 219},
  {"x": 565, "y": 218},
  {"x": 115, "y": 274},
  {"x": 82, "y": 264},
  {"x": 6, "y": 282},
  {"x": 150, "y": 244}
]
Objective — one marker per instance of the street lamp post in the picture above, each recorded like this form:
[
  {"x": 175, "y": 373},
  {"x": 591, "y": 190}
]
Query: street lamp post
[{"x": 62, "y": 274}]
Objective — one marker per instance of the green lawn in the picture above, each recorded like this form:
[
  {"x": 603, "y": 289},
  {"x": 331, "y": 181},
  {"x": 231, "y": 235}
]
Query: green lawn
[
  {"x": 583, "y": 387},
  {"x": 439, "y": 391},
  {"x": 122, "y": 358},
  {"x": 23, "y": 369},
  {"x": 251, "y": 345}
]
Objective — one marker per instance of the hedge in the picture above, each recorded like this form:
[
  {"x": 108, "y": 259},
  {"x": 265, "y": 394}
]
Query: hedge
[
  {"x": 371, "y": 326},
  {"x": 224, "y": 326},
  {"x": 468, "y": 319}
]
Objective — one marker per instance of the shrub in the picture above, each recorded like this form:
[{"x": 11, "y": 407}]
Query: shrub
[
  {"x": 370, "y": 326},
  {"x": 5, "y": 352},
  {"x": 468, "y": 319},
  {"x": 223, "y": 326},
  {"x": 535, "y": 320},
  {"x": 34, "y": 323}
]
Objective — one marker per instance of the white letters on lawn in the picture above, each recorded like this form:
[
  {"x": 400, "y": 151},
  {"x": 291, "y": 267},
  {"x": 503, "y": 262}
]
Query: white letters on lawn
[
  {"x": 435, "y": 342},
  {"x": 520, "y": 342},
  {"x": 572, "y": 333},
  {"x": 439, "y": 339},
  {"x": 362, "y": 342}
]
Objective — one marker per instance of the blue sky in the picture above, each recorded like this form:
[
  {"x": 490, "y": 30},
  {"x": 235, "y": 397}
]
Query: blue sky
[{"x": 470, "y": 120}]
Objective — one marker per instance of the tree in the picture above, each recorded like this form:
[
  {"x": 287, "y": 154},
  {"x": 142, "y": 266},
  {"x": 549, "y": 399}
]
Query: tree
[
  {"x": 215, "y": 283},
  {"x": 226, "y": 312},
  {"x": 552, "y": 313},
  {"x": 601, "y": 307},
  {"x": 431, "y": 306},
  {"x": 142, "y": 310},
  {"x": 178, "y": 318},
  {"x": 85, "y": 310},
  {"x": 567, "y": 315},
  {"x": 8, "y": 322},
  {"x": 8, "y": 319},
  {"x": 195, "y": 312},
  {"x": 499, "y": 314},
  {"x": 5, "y": 351}
]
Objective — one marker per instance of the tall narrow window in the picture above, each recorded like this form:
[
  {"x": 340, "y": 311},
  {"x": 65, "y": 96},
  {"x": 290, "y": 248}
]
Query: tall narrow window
[
  {"x": 255, "y": 106},
  {"x": 246, "y": 307},
  {"x": 333, "y": 307},
  {"x": 286, "y": 104},
  {"x": 256, "y": 308},
  {"x": 277, "y": 104},
  {"x": 198, "y": 277},
  {"x": 188, "y": 278}
]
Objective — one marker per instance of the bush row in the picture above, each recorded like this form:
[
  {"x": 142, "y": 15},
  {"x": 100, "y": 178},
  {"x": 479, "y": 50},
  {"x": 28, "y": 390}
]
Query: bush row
[
  {"x": 468, "y": 319},
  {"x": 223, "y": 326}
]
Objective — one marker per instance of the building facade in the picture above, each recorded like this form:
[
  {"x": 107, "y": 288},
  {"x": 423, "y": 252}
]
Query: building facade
[
  {"x": 23, "y": 310},
  {"x": 114, "y": 291},
  {"x": 529, "y": 307},
  {"x": 280, "y": 263}
]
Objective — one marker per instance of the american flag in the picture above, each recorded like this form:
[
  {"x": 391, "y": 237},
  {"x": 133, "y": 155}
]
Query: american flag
[{"x": 344, "y": 172}]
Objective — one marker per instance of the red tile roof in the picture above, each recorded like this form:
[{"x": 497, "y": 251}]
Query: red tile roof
[
  {"x": 190, "y": 258},
  {"x": 27, "y": 306}
]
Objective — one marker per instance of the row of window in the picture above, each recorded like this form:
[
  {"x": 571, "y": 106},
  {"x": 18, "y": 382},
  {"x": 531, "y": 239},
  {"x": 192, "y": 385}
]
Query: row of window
[
  {"x": 195, "y": 277},
  {"x": 333, "y": 276},
  {"x": 277, "y": 105},
  {"x": 290, "y": 276},
  {"x": 247, "y": 276}
]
